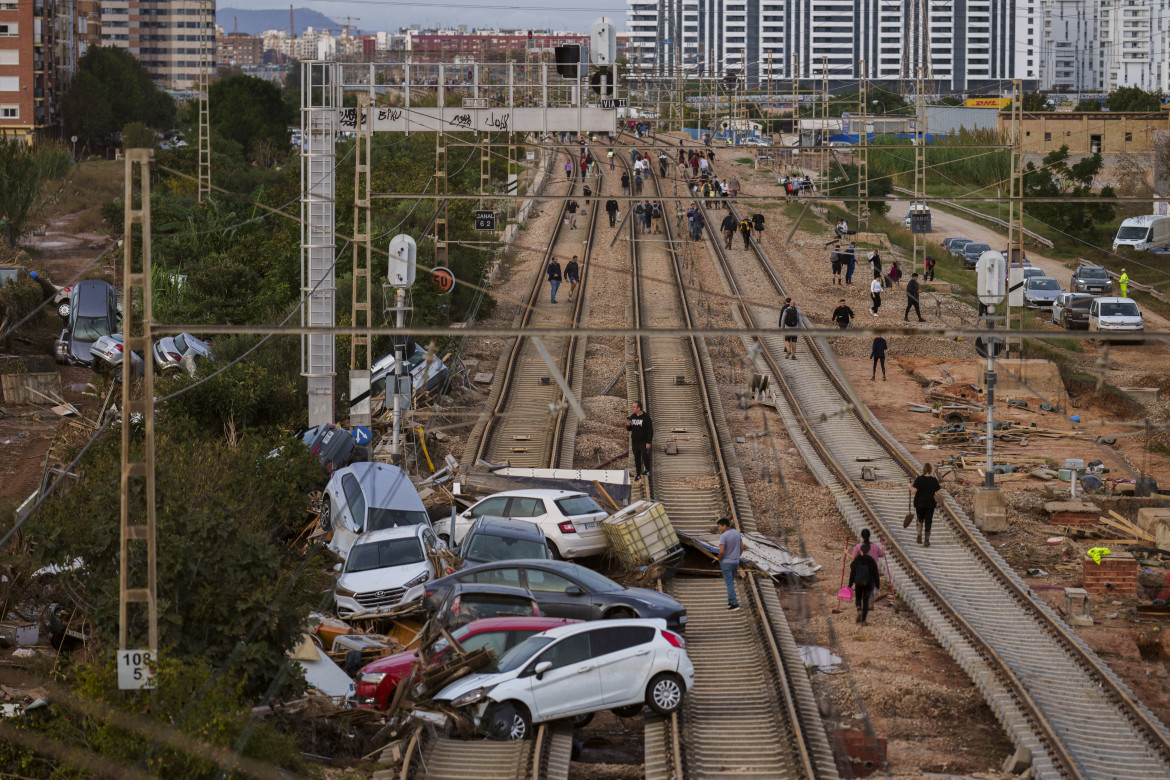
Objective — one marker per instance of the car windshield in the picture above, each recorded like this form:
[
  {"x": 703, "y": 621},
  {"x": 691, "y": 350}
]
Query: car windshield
[
  {"x": 521, "y": 653},
  {"x": 1132, "y": 233},
  {"x": 577, "y": 505},
  {"x": 487, "y": 547},
  {"x": 1043, "y": 284},
  {"x": 976, "y": 248},
  {"x": 381, "y": 518},
  {"x": 594, "y": 582},
  {"x": 1119, "y": 309},
  {"x": 91, "y": 328},
  {"x": 1092, "y": 273},
  {"x": 180, "y": 344},
  {"x": 384, "y": 554}
]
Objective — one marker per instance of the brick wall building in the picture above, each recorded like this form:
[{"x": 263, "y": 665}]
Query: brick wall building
[{"x": 1090, "y": 132}]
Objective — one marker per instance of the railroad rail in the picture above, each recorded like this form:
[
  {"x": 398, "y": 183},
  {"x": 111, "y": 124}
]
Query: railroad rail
[
  {"x": 746, "y": 716},
  {"x": 1051, "y": 693},
  {"x": 523, "y": 391}
]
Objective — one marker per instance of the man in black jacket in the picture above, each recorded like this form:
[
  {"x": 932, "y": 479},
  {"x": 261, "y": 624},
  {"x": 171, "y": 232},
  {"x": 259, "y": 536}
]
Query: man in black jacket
[
  {"x": 554, "y": 278},
  {"x": 611, "y": 208},
  {"x": 864, "y": 578},
  {"x": 912, "y": 298},
  {"x": 641, "y": 437},
  {"x": 842, "y": 315},
  {"x": 728, "y": 228}
]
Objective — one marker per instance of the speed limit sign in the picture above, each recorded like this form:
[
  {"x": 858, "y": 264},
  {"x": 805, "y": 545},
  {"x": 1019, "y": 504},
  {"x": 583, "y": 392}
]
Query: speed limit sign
[{"x": 443, "y": 278}]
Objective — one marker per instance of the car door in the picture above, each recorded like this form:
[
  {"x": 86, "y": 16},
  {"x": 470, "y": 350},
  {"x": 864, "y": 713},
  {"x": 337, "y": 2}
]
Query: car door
[
  {"x": 1094, "y": 314},
  {"x": 625, "y": 659},
  {"x": 572, "y": 685},
  {"x": 559, "y": 596},
  {"x": 355, "y": 501}
]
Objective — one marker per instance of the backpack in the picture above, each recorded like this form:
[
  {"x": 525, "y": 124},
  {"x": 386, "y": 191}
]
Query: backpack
[
  {"x": 639, "y": 209},
  {"x": 791, "y": 317},
  {"x": 745, "y": 226},
  {"x": 657, "y": 211},
  {"x": 863, "y": 576},
  {"x": 758, "y": 219}
]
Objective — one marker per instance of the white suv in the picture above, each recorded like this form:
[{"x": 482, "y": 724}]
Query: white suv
[
  {"x": 571, "y": 521},
  {"x": 1116, "y": 315},
  {"x": 575, "y": 670},
  {"x": 385, "y": 570}
]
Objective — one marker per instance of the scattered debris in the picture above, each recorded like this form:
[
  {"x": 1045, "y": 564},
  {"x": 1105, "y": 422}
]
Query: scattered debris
[
  {"x": 760, "y": 553},
  {"x": 820, "y": 658},
  {"x": 642, "y": 535}
]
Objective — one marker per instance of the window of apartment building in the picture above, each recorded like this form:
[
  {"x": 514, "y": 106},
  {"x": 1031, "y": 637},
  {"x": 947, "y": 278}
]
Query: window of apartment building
[
  {"x": 9, "y": 112},
  {"x": 1047, "y": 137},
  {"x": 9, "y": 57},
  {"x": 9, "y": 83},
  {"x": 8, "y": 30},
  {"x": 7, "y": 6},
  {"x": 1128, "y": 137}
]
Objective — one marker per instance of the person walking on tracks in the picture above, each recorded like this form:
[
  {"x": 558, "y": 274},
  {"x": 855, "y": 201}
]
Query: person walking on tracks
[
  {"x": 758, "y": 225},
  {"x": 571, "y": 210},
  {"x": 554, "y": 278},
  {"x": 745, "y": 230},
  {"x": 656, "y": 217},
  {"x": 730, "y": 551},
  {"x": 641, "y": 429},
  {"x": 625, "y": 183},
  {"x": 912, "y": 292},
  {"x": 663, "y": 161},
  {"x": 842, "y": 315},
  {"x": 611, "y": 208},
  {"x": 728, "y": 228},
  {"x": 875, "y": 292},
  {"x": 875, "y": 549},
  {"x": 922, "y": 492},
  {"x": 790, "y": 320},
  {"x": 573, "y": 274},
  {"x": 878, "y": 353},
  {"x": 864, "y": 578},
  {"x": 609, "y": 154},
  {"x": 850, "y": 264}
]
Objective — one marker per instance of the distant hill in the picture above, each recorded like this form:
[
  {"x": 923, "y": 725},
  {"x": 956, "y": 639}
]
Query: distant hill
[{"x": 256, "y": 22}]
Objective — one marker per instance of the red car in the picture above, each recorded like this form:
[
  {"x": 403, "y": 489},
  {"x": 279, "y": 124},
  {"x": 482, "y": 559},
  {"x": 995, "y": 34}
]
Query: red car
[{"x": 376, "y": 685}]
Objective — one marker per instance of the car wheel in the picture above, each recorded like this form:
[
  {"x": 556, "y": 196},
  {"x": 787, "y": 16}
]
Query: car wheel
[
  {"x": 63, "y": 310},
  {"x": 556, "y": 554},
  {"x": 629, "y": 711},
  {"x": 518, "y": 723},
  {"x": 117, "y": 373},
  {"x": 319, "y": 503},
  {"x": 621, "y": 613},
  {"x": 664, "y": 694},
  {"x": 581, "y": 721}
]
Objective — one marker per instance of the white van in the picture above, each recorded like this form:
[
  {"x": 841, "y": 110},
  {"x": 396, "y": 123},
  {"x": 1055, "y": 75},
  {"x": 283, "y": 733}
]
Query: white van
[
  {"x": 1116, "y": 315},
  {"x": 1149, "y": 231}
]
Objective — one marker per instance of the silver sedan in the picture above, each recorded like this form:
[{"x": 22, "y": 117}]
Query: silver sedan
[{"x": 172, "y": 351}]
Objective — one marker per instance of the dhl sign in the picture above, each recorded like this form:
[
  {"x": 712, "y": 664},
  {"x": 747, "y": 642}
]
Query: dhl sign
[{"x": 987, "y": 102}]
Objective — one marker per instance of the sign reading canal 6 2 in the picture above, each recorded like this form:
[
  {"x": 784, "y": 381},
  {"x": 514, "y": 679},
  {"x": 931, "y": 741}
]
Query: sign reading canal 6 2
[{"x": 485, "y": 219}]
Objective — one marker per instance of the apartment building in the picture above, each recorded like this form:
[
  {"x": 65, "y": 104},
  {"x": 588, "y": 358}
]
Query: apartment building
[
  {"x": 973, "y": 45},
  {"x": 172, "y": 38},
  {"x": 36, "y": 48}
]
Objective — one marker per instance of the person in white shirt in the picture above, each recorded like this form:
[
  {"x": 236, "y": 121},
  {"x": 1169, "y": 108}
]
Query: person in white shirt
[{"x": 875, "y": 292}]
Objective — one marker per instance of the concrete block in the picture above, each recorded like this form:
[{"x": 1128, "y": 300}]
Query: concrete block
[
  {"x": 1076, "y": 607},
  {"x": 1017, "y": 762},
  {"x": 1143, "y": 395},
  {"x": 990, "y": 510},
  {"x": 483, "y": 377},
  {"x": 1076, "y": 513}
]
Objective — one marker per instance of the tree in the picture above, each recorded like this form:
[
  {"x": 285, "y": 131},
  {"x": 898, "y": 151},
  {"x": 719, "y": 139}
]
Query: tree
[
  {"x": 1054, "y": 178},
  {"x": 1088, "y": 105},
  {"x": 24, "y": 174},
  {"x": 225, "y": 589},
  {"x": 111, "y": 89},
  {"x": 1133, "y": 99},
  {"x": 249, "y": 111},
  {"x": 136, "y": 136},
  {"x": 1035, "y": 101},
  {"x": 846, "y": 187}
]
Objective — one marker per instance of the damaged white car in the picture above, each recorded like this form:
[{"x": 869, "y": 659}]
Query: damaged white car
[{"x": 575, "y": 670}]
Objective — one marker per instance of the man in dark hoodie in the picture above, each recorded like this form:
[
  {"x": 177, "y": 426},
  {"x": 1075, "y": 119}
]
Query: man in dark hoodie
[
  {"x": 864, "y": 578},
  {"x": 641, "y": 437}
]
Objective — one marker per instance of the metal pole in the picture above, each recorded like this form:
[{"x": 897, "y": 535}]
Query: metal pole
[
  {"x": 989, "y": 476},
  {"x": 399, "y": 359}
]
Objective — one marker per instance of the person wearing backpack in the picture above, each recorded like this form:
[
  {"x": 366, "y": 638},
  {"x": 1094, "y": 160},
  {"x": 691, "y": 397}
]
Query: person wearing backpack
[
  {"x": 609, "y": 154},
  {"x": 639, "y": 215},
  {"x": 789, "y": 320},
  {"x": 656, "y": 216},
  {"x": 611, "y": 208},
  {"x": 864, "y": 578},
  {"x": 745, "y": 230}
]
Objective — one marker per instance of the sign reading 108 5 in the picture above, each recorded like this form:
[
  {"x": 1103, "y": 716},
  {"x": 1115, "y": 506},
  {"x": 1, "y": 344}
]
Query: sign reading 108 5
[{"x": 135, "y": 669}]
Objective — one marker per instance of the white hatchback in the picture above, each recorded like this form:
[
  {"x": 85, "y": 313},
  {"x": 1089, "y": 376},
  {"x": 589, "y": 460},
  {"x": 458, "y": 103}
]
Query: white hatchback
[
  {"x": 574, "y": 670},
  {"x": 571, "y": 521},
  {"x": 386, "y": 569}
]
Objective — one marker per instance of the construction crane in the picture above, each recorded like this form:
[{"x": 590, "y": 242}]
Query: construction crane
[{"x": 349, "y": 19}]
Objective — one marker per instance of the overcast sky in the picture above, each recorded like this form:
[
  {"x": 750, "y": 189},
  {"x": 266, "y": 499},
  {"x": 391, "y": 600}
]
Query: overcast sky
[{"x": 377, "y": 15}]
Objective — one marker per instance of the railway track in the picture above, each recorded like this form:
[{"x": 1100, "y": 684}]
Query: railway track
[
  {"x": 746, "y": 716},
  {"x": 524, "y": 391},
  {"x": 544, "y": 757},
  {"x": 1050, "y": 692}
]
